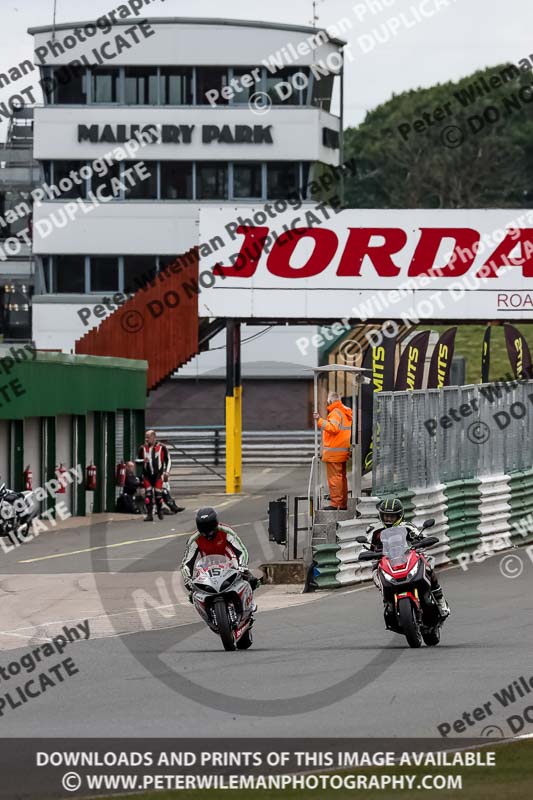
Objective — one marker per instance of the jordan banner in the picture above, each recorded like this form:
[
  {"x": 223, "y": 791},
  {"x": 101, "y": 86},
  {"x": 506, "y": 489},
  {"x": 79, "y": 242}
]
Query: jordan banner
[
  {"x": 485, "y": 356},
  {"x": 518, "y": 351},
  {"x": 380, "y": 359},
  {"x": 441, "y": 360},
  {"x": 411, "y": 368}
]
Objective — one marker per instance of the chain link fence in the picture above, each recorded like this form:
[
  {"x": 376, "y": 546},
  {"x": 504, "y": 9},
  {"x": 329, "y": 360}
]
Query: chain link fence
[{"x": 423, "y": 438}]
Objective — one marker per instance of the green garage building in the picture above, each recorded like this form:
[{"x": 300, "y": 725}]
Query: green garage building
[{"x": 69, "y": 411}]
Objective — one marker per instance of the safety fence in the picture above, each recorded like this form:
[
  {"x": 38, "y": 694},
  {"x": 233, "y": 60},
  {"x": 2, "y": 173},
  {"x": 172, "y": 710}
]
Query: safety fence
[
  {"x": 460, "y": 455},
  {"x": 423, "y": 438}
]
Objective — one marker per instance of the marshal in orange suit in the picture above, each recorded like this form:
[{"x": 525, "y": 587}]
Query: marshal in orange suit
[{"x": 336, "y": 434}]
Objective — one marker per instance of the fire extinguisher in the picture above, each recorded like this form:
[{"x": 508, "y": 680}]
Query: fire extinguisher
[
  {"x": 90, "y": 478},
  {"x": 121, "y": 474},
  {"x": 28, "y": 479},
  {"x": 60, "y": 471}
]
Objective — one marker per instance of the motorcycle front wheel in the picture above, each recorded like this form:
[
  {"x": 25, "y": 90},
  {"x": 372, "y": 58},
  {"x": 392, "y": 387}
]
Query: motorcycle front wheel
[
  {"x": 245, "y": 641},
  {"x": 432, "y": 638},
  {"x": 225, "y": 630},
  {"x": 409, "y": 623}
]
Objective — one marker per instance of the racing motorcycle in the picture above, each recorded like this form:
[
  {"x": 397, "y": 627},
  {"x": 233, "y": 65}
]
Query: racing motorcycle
[
  {"x": 402, "y": 576},
  {"x": 17, "y": 510},
  {"x": 224, "y": 600}
]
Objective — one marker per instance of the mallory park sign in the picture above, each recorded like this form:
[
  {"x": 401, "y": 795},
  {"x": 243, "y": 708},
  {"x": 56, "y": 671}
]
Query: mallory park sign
[
  {"x": 315, "y": 262},
  {"x": 177, "y": 134}
]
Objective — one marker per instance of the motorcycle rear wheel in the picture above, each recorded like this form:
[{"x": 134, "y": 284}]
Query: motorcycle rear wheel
[
  {"x": 409, "y": 623},
  {"x": 225, "y": 630}
]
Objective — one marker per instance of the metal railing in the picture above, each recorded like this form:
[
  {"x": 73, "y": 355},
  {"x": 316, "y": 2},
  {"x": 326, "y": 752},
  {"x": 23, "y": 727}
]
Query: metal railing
[{"x": 199, "y": 452}]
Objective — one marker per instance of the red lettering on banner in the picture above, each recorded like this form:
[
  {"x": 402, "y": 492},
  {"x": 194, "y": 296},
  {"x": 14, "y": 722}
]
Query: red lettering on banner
[
  {"x": 249, "y": 256},
  {"x": 326, "y": 243},
  {"x": 462, "y": 258},
  {"x": 500, "y": 257},
  {"x": 358, "y": 246}
]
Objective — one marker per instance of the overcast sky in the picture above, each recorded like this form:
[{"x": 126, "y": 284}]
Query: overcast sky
[{"x": 463, "y": 36}]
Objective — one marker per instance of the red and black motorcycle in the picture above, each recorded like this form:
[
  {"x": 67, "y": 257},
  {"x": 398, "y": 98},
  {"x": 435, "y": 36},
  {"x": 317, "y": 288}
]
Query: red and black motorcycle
[{"x": 402, "y": 576}]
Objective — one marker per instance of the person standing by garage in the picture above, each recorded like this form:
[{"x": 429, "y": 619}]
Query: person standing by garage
[
  {"x": 336, "y": 448},
  {"x": 156, "y": 463}
]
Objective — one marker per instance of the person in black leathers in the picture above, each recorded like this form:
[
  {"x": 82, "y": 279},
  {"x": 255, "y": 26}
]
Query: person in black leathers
[
  {"x": 126, "y": 501},
  {"x": 391, "y": 514}
]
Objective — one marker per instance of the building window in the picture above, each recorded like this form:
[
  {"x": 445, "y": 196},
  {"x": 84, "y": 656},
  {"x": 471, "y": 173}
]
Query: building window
[
  {"x": 288, "y": 86},
  {"x": 306, "y": 179},
  {"x": 323, "y": 91},
  {"x": 178, "y": 263},
  {"x": 209, "y": 79},
  {"x": 104, "y": 274},
  {"x": 176, "y": 86},
  {"x": 141, "y": 86},
  {"x": 283, "y": 179},
  {"x": 142, "y": 189},
  {"x": 103, "y": 183},
  {"x": 247, "y": 180},
  {"x": 212, "y": 181},
  {"x": 176, "y": 180},
  {"x": 246, "y": 92},
  {"x": 69, "y": 274},
  {"x": 66, "y": 86},
  {"x": 62, "y": 172},
  {"x": 138, "y": 271},
  {"x": 105, "y": 85}
]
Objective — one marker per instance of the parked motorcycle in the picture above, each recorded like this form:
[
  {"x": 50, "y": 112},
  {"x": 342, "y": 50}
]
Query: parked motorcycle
[
  {"x": 224, "y": 600},
  {"x": 17, "y": 510},
  {"x": 402, "y": 576}
]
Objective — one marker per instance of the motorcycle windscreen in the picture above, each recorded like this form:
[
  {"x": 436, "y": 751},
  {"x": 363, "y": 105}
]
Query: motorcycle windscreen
[
  {"x": 395, "y": 545},
  {"x": 207, "y": 562}
]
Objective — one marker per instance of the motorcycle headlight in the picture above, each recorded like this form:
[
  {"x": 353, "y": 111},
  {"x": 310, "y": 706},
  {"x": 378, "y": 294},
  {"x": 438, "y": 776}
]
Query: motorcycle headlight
[
  {"x": 227, "y": 583},
  {"x": 203, "y": 587},
  {"x": 387, "y": 576},
  {"x": 412, "y": 572}
]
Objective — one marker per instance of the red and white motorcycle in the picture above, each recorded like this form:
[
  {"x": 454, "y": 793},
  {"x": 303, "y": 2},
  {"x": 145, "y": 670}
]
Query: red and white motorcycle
[
  {"x": 224, "y": 600},
  {"x": 402, "y": 576}
]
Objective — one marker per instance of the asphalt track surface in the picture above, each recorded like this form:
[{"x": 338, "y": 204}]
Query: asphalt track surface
[{"x": 322, "y": 665}]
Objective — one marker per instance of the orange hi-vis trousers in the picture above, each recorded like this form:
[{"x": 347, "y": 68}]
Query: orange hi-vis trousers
[{"x": 338, "y": 483}]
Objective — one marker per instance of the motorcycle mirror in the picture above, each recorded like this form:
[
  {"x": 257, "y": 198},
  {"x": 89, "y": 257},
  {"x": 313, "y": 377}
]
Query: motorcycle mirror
[
  {"x": 369, "y": 555},
  {"x": 361, "y": 539},
  {"x": 428, "y": 523}
]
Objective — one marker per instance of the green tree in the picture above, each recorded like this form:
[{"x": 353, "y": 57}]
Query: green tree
[{"x": 463, "y": 160}]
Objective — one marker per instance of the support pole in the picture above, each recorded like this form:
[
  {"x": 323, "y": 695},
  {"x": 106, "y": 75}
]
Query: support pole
[
  {"x": 341, "y": 137},
  {"x": 233, "y": 408},
  {"x": 316, "y": 461},
  {"x": 356, "y": 437}
]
